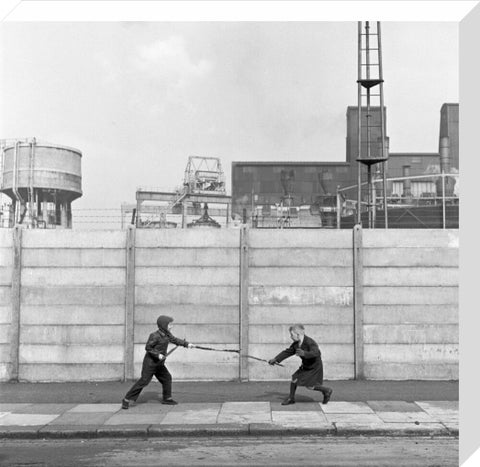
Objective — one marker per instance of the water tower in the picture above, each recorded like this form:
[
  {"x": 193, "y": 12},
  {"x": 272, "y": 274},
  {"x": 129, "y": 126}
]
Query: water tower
[{"x": 42, "y": 180}]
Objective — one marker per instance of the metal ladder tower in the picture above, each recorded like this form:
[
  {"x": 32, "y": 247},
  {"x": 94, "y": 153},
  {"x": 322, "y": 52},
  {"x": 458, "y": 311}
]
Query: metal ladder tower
[{"x": 372, "y": 141}]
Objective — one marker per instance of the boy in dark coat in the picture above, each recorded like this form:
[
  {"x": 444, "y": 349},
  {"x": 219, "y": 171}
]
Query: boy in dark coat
[
  {"x": 310, "y": 373},
  {"x": 154, "y": 362}
]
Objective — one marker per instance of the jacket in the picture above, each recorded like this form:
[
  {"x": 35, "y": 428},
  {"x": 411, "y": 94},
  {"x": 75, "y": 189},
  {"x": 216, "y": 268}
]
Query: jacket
[
  {"x": 312, "y": 356},
  {"x": 158, "y": 343}
]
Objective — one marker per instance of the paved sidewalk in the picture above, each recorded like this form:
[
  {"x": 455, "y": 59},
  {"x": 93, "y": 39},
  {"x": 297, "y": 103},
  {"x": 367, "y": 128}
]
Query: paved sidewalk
[
  {"x": 152, "y": 419},
  {"x": 229, "y": 408}
]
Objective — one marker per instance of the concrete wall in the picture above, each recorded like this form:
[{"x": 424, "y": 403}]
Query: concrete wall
[
  {"x": 305, "y": 277},
  {"x": 6, "y": 268},
  {"x": 72, "y": 305},
  {"x": 411, "y": 304},
  {"x": 192, "y": 276},
  {"x": 80, "y": 305}
]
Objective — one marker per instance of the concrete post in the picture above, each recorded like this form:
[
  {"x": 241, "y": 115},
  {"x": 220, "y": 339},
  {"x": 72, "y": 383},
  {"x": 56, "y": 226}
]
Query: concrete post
[
  {"x": 129, "y": 304},
  {"x": 16, "y": 304},
  {"x": 358, "y": 301},
  {"x": 443, "y": 201},
  {"x": 243, "y": 317}
]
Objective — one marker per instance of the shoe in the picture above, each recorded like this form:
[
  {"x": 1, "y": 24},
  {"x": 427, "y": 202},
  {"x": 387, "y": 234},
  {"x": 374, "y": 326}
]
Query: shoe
[
  {"x": 288, "y": 401},
  {"x": 169, "y": 402},
  {"x": 326, "y": 396},
  {"x": 125, "y": 403}
]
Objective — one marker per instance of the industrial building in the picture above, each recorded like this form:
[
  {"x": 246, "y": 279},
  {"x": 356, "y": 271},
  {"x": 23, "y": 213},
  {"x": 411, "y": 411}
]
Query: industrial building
[{"x": 265, "y": 190}]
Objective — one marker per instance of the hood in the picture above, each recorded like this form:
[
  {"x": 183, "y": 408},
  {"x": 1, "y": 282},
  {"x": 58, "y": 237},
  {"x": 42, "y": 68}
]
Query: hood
[{"x": 162, "y": 322}]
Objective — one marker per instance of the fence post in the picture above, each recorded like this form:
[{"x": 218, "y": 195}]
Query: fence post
[
  {"x": 16, "y": 304},
  {"x": 129, "y": 304},
  {"x": 358, "y": 301},
  {"x": 243, "y": 316}
]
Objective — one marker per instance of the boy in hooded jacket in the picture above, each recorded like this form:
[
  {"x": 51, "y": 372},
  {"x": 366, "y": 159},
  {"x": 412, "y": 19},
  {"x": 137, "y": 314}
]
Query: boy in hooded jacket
[{"x": 154, "y": 362}]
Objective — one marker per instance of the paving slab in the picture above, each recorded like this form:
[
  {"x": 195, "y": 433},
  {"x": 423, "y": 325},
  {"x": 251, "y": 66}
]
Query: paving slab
[
  {"x": 394, "y": 406},
  {"x": 81, "y": 418},
  {"x": 193, "y": 406},
  {"x": 189, "y": 417},
  {"x": 347, "y": 408},
  {"x": 299, "y": 418},
  {"x": 297, "y": 407},
  {"x": 45, "y": 408},
  {"x": 353, "y": 418},
  {"x": 27, "y": 419},
  {"x": 396, "y": 417},
  {"x": 438, "y": 405},
  {"x": 126, "y": 418},
  {"x": 245, "y": 412},
  {"x": 245, "y": 407},
  {"x": 96, "y": 408}
]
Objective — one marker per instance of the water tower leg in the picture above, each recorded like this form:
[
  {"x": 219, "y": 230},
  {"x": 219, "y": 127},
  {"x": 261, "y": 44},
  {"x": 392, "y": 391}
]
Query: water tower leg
[{"x": 63, "y": 215}]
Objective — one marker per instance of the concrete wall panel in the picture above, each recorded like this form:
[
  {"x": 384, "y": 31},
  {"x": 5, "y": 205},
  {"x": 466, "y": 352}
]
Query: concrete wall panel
[
  {"x": 6, "y": 257},
  {"x": 5, "y": 314},
  {"x": 411, "y": 257},
  {"x": 72, "y": 314},
  {"x": 295, "y": 276},
  {"x": 73, "y": 296},
  {"x": 4, "y": 333},
  {"x": 410, "y": 314},
  {"x": 72, "y": 335},
  {"x": 188, "y": 314},
  {"x": 339, "y": 296},
  {"x": 273, "y": 333},
  {"x": 70, "y": 372},
  {"x": 182, "y": 294},
  {"x": 213, "y": 256},
  {"x": 411, "y": 295},
  {"x": 187, "y": 276},
  {"x": 78, "y": 354},
  {"x": 73, "y": 257},
  {"x": 5, "y": 371},
  {"x": 5, "y": 295},
  {"x": 69, "y": 277},
  {"x": 187, "y": 238},
  {"x": 301, "y": 314},
  {"x": 415, "y": 238},
  {"x": 301, "y": 257},
  {"x": 62, "y": 238},
  {"x": 411, "y": 334},
  {"x": 411, "y": 353},
  {"x": 401, "y": 277},
  {"x": 300, "y": 238},
  {"x": 6, "y": 238},
  {"x": 5, "y": 352}
]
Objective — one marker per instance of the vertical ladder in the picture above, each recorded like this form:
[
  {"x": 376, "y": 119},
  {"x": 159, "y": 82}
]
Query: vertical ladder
[{"x": 372, "y": 141}]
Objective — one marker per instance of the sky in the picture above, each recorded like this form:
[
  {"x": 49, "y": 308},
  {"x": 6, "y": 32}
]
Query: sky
[{"x": 139, "y": 98}]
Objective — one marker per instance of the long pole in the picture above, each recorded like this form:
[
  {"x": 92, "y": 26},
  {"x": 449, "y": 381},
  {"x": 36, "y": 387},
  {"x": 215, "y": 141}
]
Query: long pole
[{"x": 359, "y": 125}]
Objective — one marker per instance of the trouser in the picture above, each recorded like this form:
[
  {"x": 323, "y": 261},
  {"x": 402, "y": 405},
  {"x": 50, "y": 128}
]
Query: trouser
[{"x": 150, "y": 369}]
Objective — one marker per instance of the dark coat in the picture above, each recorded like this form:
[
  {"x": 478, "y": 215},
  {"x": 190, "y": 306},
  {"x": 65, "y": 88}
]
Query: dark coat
[
  {"x": 158, "y": 343},
  {"x": 310, "y": 372}
]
